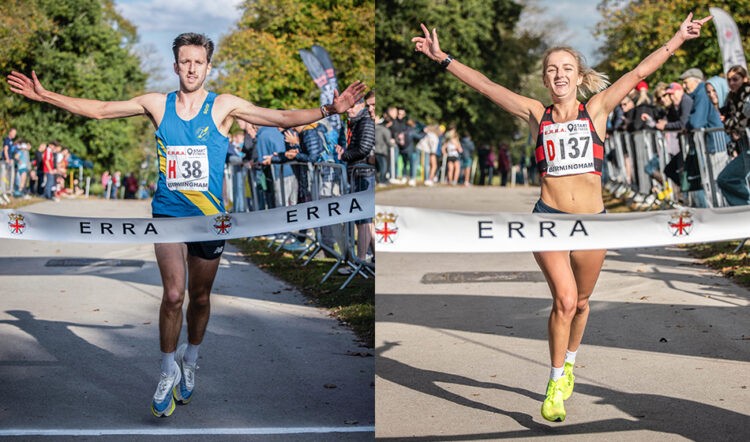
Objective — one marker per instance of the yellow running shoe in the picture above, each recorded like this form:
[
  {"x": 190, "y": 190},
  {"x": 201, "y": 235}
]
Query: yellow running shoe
[
  {"x": 570, "y": 380},
  {"x": 553, "y": 408}
]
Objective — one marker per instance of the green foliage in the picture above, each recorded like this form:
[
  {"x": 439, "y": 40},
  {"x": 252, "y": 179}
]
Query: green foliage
[
  {"x": 632, "y": 30},
  {"x": 259, "y": 60},
  {"x": 480, "y": 33},
  {"x": 79, "y": 48}
]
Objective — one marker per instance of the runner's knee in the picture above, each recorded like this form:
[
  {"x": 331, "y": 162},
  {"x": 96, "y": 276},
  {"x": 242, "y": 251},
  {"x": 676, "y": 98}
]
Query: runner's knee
[
  {"x": 172, "y": 299},
  {"x": 201, "y": 299},
  {"x": 582, "y": 305},
  {"x": 566, "y": 305}
]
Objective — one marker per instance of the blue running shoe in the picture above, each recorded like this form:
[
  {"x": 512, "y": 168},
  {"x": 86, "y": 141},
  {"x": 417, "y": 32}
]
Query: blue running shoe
[
  {"x": 184, "y": 391},
  {"x": 163, "y": 403}
]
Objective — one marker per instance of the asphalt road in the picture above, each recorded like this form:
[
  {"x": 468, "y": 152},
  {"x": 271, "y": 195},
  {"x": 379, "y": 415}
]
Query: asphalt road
[
  {"x": 666, "y": 354},
  {"x": 79, "y": 353}
]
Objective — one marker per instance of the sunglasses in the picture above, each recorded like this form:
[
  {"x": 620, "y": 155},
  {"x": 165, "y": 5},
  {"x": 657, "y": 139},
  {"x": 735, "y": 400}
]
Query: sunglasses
[{"x": 735, "y": 78}]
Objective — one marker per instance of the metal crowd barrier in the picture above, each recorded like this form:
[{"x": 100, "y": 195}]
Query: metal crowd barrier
[
  {"x": 628, "y": 153},
  {"x": 326, "y": 179}
]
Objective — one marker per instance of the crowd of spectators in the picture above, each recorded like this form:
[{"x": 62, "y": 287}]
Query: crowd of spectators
[
  {"x": 409, "y": 153},
  {"x": 25, "y": 172},
  {"x": 719, "y": 106}
]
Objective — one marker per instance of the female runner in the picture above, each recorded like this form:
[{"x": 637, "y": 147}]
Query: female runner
[{"x": 569, "y": 152}]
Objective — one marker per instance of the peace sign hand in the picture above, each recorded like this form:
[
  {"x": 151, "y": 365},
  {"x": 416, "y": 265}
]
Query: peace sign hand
[
  {"x": 690, "y": 28},
  {"x": 429, "y": 44}
]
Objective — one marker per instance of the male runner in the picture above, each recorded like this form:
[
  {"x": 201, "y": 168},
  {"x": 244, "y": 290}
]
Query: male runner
[{"x": 190, "y": 184}]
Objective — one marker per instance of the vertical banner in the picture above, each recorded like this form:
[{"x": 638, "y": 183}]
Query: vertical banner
[
  {"x": 325, "y": 60},
  {"x": 322, "y": 72},
  {"x": 730, "y": 41}
]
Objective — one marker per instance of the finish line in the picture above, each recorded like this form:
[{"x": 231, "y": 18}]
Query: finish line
[{"x": 260, "y": 431}]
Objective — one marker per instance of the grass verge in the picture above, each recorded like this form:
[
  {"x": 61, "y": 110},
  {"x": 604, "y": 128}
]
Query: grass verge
[
  {"x": 354, "y": 305},
  {"x": 15, "y": 203},
  {"x": 721, "y": 256}
]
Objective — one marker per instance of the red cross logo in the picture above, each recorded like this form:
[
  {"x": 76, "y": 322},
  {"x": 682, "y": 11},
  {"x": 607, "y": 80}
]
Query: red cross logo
[
  {"x": 683, "y": 226},
  {"x": 16, "y": 224},
  {"x": 222, "y": 224},
  {"x": 386, "y": 233}
]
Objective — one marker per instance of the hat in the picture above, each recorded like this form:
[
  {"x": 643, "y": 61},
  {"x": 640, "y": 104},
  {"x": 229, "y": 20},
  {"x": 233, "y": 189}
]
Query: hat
[
  {"x": 672, "y": 87},
  {"x": 692, "y": 73},
  {"x": 641, "y": 86}
]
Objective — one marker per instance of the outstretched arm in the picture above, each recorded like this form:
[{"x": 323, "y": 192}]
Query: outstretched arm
[
  {"x": 518, "y": 105},
  {"x": 32, "y": 89},
  {"x": 605, "y": 101},
  {"x": 244, "y": 110}
]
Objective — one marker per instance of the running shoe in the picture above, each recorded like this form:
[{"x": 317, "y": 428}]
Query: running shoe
[
  {"x": 184, "y": 391},
  {"x": 570, "y": 380},
  {"x": 163, "y": 403},
  {"x": 553, "y": 408}
]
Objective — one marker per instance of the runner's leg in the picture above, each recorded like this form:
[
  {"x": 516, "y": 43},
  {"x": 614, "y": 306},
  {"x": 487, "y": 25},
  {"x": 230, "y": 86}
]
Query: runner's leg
[
  {"x": 201, "y": 274},
  {"x": 586, "y": 265},
  {"x": 171, "y": 261},
  {"x": 556, "y": 267}
]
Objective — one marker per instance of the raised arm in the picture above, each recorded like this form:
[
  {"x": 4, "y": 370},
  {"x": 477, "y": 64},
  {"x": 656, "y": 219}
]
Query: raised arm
[
  {"x": 604, "y": 102},
  {"x": 32, "y": 89},
  {"x": 244, "y": 110},
  {"x": 518, "y": 105}
]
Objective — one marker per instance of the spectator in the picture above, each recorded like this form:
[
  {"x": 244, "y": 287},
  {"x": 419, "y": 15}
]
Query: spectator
[
  {"x": 23, "y": 163},
  {"x": 382, "y": 149},
  {"x": 643, "y": 109},
  {"x": 467, "y": 157},
  {"x": 429, "y": 145},
  {"x": 8, "y": 146},
  {"x": 503, "y": 163},
  {"x": 717, "y": 90},
  {"x": 452, "y": 150},
  {"x": 48, "y": 160},
  {"x": 360, "y": 142},
  {"x": 131, "y": 186},
  {"x": 483, "y": 154},
  {"x": 732, "y": 180},
  {"x": 39, "y": 164},
  {"x": 270, "y": 142},
  {"x": 702, "y": 116}
]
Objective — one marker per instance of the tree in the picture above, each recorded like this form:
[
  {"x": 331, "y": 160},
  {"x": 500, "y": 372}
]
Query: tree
[
  {"x": 632, "y": 30},
  {"x": 259, "y": 60},
  {"x": 482, "y": 34},
  {"x": 80, "y": 48}
]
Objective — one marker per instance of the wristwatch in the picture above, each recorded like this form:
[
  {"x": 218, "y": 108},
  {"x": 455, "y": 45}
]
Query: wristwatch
[{"x": 444, "y": 64}]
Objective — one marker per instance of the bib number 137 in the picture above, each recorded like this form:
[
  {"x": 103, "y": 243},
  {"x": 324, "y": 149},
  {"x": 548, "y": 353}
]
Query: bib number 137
[{"x": 571, "y": 147}]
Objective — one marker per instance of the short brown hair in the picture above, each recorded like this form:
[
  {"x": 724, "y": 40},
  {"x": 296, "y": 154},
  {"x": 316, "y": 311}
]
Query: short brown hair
[{"x": 193, "y": 39}]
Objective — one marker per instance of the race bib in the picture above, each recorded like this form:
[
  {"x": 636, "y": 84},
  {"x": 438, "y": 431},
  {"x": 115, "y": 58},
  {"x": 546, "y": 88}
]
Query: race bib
[
  {"x": 568, "y": 148},
  {"x": 187, "y": 168}
]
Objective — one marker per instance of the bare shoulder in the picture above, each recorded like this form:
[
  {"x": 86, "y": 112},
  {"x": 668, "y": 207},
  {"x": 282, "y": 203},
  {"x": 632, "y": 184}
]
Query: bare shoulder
[{"x": 152, "y": 101}]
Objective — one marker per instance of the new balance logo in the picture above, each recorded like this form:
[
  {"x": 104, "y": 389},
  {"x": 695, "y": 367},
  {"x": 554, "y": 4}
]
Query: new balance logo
[{"x": 218, "y": 250}]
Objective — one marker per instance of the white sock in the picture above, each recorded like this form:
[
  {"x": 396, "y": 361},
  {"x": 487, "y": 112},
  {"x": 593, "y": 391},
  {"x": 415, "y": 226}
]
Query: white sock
[
  {"x": 191, "y": 353},
  {"x": 570, "y": 356},
  {"x": 167, "y": 362},
  {"x": 556, "y": 373}
]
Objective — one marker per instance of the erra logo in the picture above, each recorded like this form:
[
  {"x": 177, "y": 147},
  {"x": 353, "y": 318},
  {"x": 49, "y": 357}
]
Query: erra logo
[
  {"x": 17, "y": 224},
  {"x": 385, "y": 227},
  {"x": 681, "y": 224},
  {"x": 222, "y": 224}
]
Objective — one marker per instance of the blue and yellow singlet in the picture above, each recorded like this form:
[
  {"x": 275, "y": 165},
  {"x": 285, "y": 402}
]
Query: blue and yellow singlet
[{"x": 191, "y": 163}]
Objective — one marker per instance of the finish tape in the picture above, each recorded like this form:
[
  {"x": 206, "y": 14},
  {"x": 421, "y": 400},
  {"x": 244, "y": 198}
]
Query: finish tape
[
  {"x": 406, "y": 229},
  {"x": 35, "y": 226}
]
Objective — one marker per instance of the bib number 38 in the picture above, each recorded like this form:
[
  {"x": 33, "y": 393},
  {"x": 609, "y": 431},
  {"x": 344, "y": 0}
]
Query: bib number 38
[{"x": 187, "y": 168}]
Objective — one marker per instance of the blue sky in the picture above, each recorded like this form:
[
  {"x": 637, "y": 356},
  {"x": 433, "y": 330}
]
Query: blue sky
[{"x": 160, "y": 21}]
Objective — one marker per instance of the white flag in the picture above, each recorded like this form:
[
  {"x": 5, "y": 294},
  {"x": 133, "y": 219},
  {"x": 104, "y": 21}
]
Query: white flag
[{"x": 730, "y": 41}]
